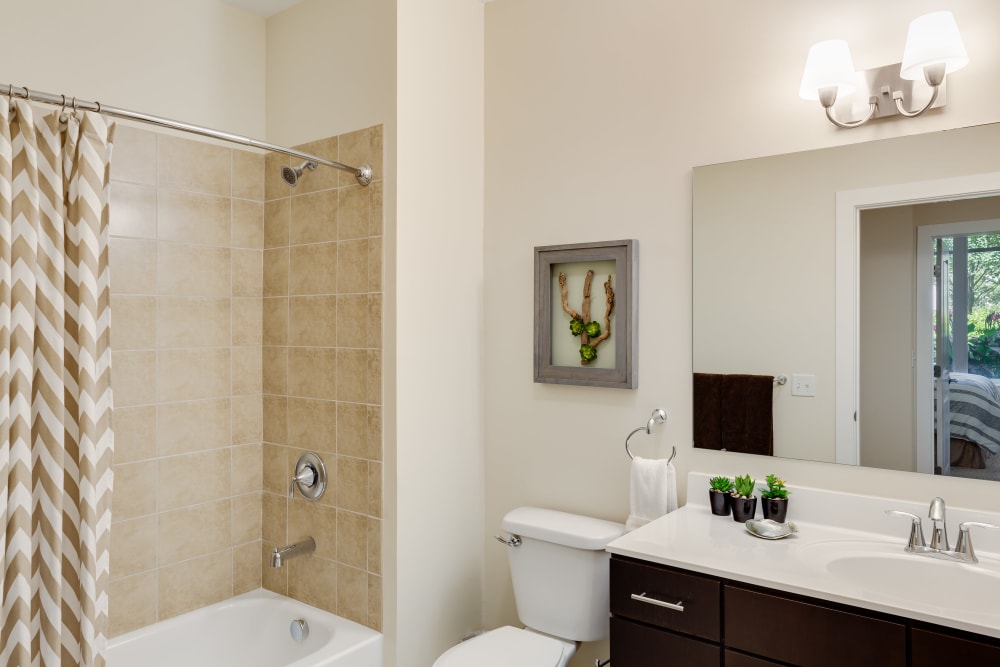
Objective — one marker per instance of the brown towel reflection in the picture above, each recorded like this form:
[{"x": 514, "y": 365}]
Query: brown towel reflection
[
  {"x": 734, "y": 412},
  {"x": 747, "y": 415},
  {"x": 708, "y": 410}
]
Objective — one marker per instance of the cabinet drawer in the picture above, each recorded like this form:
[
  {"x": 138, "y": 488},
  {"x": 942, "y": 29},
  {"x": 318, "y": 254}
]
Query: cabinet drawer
[
  {"x": 734, "y": 659},
  {"x": 933, "y": 649},
  {"x": 635, "y": 645},
  {"x": 638, "y": 589},
  {"x": 808, "y": 635}
]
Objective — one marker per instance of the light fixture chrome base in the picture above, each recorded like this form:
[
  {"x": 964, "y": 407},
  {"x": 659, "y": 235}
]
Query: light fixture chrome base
[{"x": 883, "y": 85}]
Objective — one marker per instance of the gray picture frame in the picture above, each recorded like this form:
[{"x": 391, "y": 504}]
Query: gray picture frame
[{"x": 625, "y": 254}]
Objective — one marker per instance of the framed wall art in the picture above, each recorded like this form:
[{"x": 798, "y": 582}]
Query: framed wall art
[{"x": 585, "y": 314}]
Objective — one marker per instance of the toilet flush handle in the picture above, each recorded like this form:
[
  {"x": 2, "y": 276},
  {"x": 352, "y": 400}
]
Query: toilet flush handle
[{"x": 512, "y": 541}]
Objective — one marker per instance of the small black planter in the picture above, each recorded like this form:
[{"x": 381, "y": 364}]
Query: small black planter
[
  {"x": 775, "y": 509},
  {"x": 719, "y": 501},
  {"x": 744, "y": 509}
]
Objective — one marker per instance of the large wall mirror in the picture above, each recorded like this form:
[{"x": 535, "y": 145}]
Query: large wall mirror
[{"x": 819, "y": 266}]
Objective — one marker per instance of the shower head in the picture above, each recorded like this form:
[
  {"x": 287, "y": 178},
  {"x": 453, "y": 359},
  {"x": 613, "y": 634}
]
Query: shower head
[{"x": 291, "y": 174}]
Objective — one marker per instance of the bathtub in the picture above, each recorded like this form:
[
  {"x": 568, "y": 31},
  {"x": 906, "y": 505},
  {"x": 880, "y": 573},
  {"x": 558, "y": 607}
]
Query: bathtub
[{"x": 250, "y": 630}]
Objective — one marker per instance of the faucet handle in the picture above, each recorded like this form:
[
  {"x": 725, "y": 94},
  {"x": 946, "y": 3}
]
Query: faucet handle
[
  {"x": 308, "y": 476},
  {"x": 964, "y": 544},
  {"x": 916, "y": 529}
]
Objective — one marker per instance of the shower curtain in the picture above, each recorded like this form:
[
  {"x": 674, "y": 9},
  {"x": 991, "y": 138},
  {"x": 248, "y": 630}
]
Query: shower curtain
[{"x": 55, "y": 390}]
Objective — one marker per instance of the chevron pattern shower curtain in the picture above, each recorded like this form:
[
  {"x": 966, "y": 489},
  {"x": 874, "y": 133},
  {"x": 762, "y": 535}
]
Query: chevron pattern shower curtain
[{"x": 55, "y": 390}]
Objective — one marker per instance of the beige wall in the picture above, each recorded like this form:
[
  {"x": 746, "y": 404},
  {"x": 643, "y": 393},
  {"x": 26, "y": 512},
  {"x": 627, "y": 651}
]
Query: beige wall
[
  {"x": 437, "y": 479},
  {"x": 596, "y": 113},
  {"x": 763, "y": 284},
  {"x": 199, "y": 61},
  {"x": 887, "y": 320},
  {"x": 187, "y": 232},
  {"x": 322, "y": 379},
  {"x": 330, "y": 69}
]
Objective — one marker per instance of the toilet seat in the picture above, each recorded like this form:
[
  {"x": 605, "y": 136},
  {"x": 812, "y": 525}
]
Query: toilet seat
[{"x": 507, "y": 646}]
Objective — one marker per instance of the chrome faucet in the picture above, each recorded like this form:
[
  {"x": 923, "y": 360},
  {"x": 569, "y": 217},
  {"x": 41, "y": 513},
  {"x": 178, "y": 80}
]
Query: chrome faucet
[
  {"x": 939, "y": 535},
  {"x": 280, "y": 554}
]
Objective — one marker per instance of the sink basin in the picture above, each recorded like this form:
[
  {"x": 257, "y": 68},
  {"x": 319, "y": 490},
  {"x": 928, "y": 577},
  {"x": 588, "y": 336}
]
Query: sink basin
[{"x": 883, "y": 569}]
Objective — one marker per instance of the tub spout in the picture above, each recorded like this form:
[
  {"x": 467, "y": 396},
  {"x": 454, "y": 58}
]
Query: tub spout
[{"x": 280, "y": 554}]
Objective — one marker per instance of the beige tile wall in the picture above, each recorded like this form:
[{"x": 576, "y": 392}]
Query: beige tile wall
[
  {"x": 186, "y": 277},
  {"x": 321, "y": 374},
  {"x": 247, "y": 321}
]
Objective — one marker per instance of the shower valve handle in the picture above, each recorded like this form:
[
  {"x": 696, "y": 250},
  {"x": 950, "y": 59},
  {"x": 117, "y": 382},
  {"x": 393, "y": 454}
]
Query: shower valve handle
[
  {"x": 309, "y": 474},
  {"x": 308, "y": 477}
]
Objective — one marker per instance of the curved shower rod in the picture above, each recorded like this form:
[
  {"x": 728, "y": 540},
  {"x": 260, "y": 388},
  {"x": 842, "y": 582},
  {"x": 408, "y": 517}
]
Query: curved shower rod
[{"x": 362, "y": 173}]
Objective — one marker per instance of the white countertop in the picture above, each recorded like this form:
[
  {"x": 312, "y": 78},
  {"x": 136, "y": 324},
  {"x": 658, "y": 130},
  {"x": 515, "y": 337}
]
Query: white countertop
[{"x": 694, "y": 539}]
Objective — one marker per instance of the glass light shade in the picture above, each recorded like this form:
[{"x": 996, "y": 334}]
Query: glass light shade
[
  {"x": 933, "y": 39},
  {"x": 829, "y": 64}
]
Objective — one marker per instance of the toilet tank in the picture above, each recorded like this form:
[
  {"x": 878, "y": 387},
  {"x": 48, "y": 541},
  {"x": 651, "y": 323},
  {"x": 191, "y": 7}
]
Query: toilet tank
[{"x": 560, "y": 571}]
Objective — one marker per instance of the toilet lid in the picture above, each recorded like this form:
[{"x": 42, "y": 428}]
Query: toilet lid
[{"x": 504, "y": 647}]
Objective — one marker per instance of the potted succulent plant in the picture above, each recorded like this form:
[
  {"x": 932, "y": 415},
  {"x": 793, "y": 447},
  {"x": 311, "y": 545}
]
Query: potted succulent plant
[
  {"x": 775, "y": 499},
  {"x": 719, "y": 492},
  {"x": 742, "y": 499}
]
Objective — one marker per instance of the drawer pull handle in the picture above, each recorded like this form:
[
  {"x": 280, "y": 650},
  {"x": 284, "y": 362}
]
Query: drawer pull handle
[{"x": 676, "y": 606}]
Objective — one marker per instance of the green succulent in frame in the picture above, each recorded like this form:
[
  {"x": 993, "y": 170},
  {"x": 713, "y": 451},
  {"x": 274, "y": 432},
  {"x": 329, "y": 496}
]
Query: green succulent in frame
[
  {"x": 722, "y": 484},
  {"x": 576, "y": 326},
  {"x": 587, "y": 353},
  {"x": 593, "y": 329},
  {"x": 744, "y": 486}
]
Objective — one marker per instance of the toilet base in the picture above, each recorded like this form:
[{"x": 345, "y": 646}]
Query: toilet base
[{"x": 507, "y": 646}]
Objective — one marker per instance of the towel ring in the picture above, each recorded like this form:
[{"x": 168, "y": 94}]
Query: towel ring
[{"x": 658, "y": 417}]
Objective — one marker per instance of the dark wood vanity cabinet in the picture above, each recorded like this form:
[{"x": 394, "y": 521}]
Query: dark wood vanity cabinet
[
  {"x": 797, "y": 632},
  {"x": 937, "y": 646},
  {"x": 636, "y": 588},
  {"x": 728, "y": 624},
  {"x": 734, "y": 659},
  {"x": 638, "y": 618},
  {"x": 637, "y": 645}
]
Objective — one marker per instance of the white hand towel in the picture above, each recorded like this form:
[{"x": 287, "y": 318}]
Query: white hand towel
[{"x": 652, "y": 491}]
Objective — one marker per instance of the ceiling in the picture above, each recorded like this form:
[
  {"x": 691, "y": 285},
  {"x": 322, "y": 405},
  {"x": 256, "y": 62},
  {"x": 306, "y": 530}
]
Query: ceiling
[{"x": 263, "y": 8}]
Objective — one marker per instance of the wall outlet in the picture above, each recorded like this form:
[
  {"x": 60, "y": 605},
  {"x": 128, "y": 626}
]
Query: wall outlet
[{"x": 803, "y": 385}]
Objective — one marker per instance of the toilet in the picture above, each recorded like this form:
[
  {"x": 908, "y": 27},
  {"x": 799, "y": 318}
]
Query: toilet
[{"x": 559, "y": 569}]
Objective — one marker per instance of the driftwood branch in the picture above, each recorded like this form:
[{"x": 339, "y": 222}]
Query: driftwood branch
[
  {"x": 565, "y": 297},
  {"x": 584, "y": 338},
  {"x": 609, "y": 292}
]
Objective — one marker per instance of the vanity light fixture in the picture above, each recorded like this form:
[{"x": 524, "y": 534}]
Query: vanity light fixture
[{"x": 933, "y": 50}]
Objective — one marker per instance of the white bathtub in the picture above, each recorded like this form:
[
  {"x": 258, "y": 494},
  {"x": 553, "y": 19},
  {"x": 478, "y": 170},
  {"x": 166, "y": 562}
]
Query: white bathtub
[{"x": 250, "y": 630}]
